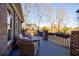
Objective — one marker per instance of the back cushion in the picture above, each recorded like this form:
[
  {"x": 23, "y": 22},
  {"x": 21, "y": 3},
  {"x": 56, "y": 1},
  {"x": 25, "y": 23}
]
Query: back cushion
[{"x": 20, "y": 36}]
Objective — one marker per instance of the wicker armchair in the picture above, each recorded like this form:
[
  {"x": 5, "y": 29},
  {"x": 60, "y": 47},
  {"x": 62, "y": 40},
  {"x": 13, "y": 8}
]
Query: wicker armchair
[{"x": 27, "y": 48}]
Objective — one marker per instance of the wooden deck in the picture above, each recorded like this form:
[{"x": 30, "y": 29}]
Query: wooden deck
[{"x": 48, "y": 48}]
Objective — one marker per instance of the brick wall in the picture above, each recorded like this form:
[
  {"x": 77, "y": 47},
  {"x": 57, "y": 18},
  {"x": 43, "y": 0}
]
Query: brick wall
[
  {"x": 3, "y": 28},
  {"x": 74, "y": 44}
]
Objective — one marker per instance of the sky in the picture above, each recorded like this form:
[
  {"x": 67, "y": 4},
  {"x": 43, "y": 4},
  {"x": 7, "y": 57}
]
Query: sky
[{"x": 70, "y": 15}]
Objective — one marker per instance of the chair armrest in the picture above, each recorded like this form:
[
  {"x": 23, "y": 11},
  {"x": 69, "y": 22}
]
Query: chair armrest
[{"x": 35, "y": 48}]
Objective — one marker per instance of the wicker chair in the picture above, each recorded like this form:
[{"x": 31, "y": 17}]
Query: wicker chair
[{"x": 27, "y": 48}]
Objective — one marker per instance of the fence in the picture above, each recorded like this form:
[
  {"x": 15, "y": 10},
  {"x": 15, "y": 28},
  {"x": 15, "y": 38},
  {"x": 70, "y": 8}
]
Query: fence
[{"x": 60, "y": 41}]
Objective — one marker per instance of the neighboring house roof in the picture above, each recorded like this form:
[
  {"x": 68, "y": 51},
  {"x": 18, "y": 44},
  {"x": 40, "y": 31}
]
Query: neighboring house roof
[{"x": 18, "y": 9}]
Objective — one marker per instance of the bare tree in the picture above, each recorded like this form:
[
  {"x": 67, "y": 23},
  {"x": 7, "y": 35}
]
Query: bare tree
[
  {"x": 39, "y": 13},
  {"x": 60, "y": 16},
  {"x": 49, "y": 15},
  {"x": 27, "y": 10}
]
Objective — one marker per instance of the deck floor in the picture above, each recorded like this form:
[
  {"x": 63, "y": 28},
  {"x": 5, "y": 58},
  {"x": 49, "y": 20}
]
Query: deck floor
[{"x": 48, "y": 48}]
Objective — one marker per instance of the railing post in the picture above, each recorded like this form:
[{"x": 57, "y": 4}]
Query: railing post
[{"x": 74, "y": 43}]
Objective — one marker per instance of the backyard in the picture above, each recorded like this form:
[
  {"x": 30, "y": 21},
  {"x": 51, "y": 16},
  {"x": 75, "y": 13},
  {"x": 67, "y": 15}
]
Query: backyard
[
  {"x": 51, "y": 22},
  {"x": 38, "y": 29}
]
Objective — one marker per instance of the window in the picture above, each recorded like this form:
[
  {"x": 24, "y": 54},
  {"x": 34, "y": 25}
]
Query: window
[
  {"x": 9, "y": 25},
  {"x": 19, "y": 26},
  {"x": 16, "y": 24}
]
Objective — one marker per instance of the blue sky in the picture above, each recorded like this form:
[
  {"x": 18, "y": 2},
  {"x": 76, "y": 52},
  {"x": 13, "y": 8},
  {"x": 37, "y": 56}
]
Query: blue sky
[
  {"x": 71, "y": 15},
  {"x": 69, "y": 8}
]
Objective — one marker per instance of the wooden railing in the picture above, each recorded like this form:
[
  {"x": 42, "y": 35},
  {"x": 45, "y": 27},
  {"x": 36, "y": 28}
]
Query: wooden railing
[{"x": 59, "y": 41}]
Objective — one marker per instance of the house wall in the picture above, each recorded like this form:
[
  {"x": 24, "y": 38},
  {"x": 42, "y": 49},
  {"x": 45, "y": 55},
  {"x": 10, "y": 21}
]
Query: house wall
[
  {"x": 16, "y": 23},
  {"x": 3, "y": 29},
  {"x": 16, "y": 29}
]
